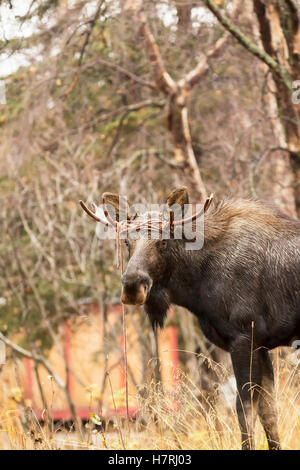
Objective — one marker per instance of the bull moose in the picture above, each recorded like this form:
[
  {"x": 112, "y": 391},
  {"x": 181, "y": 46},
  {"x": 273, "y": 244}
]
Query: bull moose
[{"x": 243, "y": 285}]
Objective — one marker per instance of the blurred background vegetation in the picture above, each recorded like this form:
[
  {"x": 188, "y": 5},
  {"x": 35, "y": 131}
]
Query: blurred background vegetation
[{"x": 94, "y": 104}]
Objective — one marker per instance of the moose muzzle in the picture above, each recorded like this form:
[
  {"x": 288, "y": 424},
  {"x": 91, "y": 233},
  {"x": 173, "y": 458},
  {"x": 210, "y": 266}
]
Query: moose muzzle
[{"x": 136, "y": 286}]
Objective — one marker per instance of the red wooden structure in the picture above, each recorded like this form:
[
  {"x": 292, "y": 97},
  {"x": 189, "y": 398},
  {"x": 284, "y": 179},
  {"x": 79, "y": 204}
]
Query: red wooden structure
[{"x": 81, "y": 342}]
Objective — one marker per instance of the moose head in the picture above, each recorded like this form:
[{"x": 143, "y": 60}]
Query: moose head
[{"x": 152, "y": 262}]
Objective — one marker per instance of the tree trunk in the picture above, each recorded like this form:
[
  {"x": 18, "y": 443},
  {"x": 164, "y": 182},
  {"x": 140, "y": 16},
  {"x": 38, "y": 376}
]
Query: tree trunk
[
  {"x": 184, "y": 11},
  {"x": 177, "y": 93},
  {"x": 178, "y": 126},
  {"x": 279, "y": 28}
]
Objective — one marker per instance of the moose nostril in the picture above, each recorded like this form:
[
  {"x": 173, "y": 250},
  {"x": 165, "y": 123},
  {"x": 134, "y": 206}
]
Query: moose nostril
[
  {"x": 134, "y": 280},
  {"x": 145, "y": 287},
  {"x": 145, "y": 281}
]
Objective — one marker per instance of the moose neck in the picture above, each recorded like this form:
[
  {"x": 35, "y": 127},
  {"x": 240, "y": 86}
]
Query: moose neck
[
  {"x": 186, "y": 278},
  {"x": 189, "y": 270},
  {"x": 225, "y": 225}
]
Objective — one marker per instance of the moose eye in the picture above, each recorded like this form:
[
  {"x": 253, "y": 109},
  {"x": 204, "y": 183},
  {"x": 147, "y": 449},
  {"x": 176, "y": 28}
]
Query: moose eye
[
  {"x": 127, "y": 243},
  {"x": 163, "y": 243}
]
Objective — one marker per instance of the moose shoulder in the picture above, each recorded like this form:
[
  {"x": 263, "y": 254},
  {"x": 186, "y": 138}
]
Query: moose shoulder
[{"x": 243, "y": 286}]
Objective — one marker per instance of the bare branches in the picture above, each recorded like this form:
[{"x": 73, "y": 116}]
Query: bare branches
[
  {"x": 89, "y": 31},
  {"x": 163, "y": 80},
  {"x": 35, "y": 357},
  {"x": 294, "y": 5},
  {"x": 248, "y": 44},
  {"x": 126, "y": 73},
  {"x": 199, "y": 71}
]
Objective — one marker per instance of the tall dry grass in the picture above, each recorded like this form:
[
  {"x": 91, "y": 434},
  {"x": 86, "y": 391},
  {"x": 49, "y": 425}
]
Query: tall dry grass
[{"x": 179, "y": 418}]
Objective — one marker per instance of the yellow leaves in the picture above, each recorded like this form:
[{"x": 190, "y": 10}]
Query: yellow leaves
[
  {"x": 95, "y": 419},
  {"x": 58, "y": 82},
  {"x": 2, "y": 118},
  {"x": 94, "y": 391},
  {"x": 16, "y": 394}
]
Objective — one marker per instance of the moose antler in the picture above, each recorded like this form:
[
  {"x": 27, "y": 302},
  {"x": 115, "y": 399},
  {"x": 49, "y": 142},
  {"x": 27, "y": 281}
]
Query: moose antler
[
  {"x": 92, "y": 214},
  {"x": 125, "y": 224},
  {"x": 195, "y": 216}
]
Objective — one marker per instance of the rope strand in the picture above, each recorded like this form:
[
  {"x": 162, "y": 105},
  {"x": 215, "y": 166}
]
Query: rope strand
[{"x": 126, "y": 226}]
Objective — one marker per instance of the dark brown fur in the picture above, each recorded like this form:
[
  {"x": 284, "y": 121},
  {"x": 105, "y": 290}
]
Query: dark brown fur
[{"x": 244, "y": 288}]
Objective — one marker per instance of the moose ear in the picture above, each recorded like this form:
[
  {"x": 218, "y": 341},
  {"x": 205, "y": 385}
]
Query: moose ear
[
  {"x": 178, "y": 196},
  {"x": 117, "y": 206}
]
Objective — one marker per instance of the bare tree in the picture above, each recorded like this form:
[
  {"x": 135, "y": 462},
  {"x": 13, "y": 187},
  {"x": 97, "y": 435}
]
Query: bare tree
[
  {"x": 279, "y": 27},
  {"x": 178, "y": 92}
]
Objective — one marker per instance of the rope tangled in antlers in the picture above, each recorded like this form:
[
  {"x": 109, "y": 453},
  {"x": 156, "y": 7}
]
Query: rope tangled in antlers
[{"x": 126, "y": 226}]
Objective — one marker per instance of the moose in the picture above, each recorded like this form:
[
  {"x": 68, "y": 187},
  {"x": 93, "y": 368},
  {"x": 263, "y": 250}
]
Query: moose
[{"x": 243, "y": 285}]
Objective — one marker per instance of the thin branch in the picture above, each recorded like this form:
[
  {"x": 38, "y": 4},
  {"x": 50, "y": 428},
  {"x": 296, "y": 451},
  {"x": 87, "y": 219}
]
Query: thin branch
[
  {"x": 117, "y": 135},
  {"x": 248, "y": 43},
  {"x": 171, "y": 163},
  {"x": 89, "y": 31},
  {"x": 164, "y": 81},
  {"x": 127, "y": 73},
  {"x": 200, "y": 70},
  {"x": 35, "y": 357},
  {"x": 112, "y": 114},
  {"x": 293, "y": 4}
]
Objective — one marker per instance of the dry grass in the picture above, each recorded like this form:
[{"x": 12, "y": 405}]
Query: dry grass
[{"x": 171, "y": 420}]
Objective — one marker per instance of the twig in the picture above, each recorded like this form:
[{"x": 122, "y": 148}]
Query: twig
[
  {"x": 35, "y": 357},
  {"x": 200, "y": 70},
  {"x": 88, "y": 33},
  {"x": 248, "y": 44}
]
